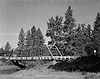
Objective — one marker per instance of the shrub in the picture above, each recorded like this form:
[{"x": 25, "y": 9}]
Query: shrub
[
  {"x": 83, "y": 73},
  {"x": 84, "y": 64},
  {"x": 91, "y": 76}
]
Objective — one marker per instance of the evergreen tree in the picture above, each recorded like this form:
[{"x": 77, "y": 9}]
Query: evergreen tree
[
  {"x": 28, "y": 38},
  {"x": 83, "y": 38},
  {"x": 69, "y": 22},
  {"x": 33, "y": 33},
  {"x": 21, "y": 42},
  {"x": 2, "y": 52},
  {"x": 59, "y": 32},
  {"x": 54, "y": 30},
  {"x": 69, "y": 32},
  {"x": 27, "y": 43},
  {"x": 96, "y": 32},
  {"x": 33, "y": 30},
  {"x": 7, "y": 49},
  {"x": 39, "y": 38},
  {"x": 97, "y": 22},
  {"x": 89, "y": 30}
]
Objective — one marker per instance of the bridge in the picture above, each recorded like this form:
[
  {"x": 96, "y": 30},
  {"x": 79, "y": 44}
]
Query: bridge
[{"x": 17, "y": 60}]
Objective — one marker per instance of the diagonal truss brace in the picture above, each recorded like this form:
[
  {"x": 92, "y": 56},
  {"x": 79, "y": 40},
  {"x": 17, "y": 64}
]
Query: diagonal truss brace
[
  {"x": 57, "y": 49},
  {"x": 50, "y": 52}
]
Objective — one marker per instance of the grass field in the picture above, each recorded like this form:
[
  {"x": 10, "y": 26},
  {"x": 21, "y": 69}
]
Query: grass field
[{"x": 40, "y": 72}]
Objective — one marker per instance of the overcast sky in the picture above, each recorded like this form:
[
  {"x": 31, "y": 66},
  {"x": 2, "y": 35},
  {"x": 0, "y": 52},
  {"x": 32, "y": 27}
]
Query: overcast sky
[{"x": 17, "y": 14}]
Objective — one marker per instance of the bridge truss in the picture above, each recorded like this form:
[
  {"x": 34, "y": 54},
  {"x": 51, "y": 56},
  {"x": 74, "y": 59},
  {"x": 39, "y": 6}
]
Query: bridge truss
[
  {"x": 17, "y": 60},
  {"x": 52, "y": 57}
]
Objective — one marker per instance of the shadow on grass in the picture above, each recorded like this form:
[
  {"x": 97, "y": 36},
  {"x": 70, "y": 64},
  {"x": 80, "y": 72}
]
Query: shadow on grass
[{"x": 86, "y": 63}]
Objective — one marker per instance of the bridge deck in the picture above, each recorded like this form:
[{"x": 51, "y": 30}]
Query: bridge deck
[{"x": 41, "y": 58}]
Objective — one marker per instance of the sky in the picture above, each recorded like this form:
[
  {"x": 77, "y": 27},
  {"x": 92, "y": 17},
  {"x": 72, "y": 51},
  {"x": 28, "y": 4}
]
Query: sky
[{"x": 17, "y": 14}]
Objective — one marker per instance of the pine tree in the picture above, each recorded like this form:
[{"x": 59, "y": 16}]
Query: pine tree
[
  {"x": 32, "y": 39},
  {"x": 7, "y": 49},
  {"x": 2, "y": 52},
  {"x": 54, "y": 30},
  {"x": 21, "y": 42},
  {"x": 69, "y": 32},
  {"x": 83, "y": 38},
  {"x": 39, "y": 43},
  {"x": 89, "y": 30},
  {"x": 27, "y": 43},
  {"x": 28, "y": 38},
  {"x": 97, "y": 22},
  {"x": 39, "y": 38},
  {"x": 69, "y": 22},
  {"x": 33, "y": 30},
  {"x": 96, "y": 32}
]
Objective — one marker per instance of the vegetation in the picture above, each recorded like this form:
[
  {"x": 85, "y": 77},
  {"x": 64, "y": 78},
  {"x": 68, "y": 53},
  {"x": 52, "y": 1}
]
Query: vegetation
[
  {"x": 70, "y": 38},
  {"x": 6, "y": 51},
  {"x": 2, "y": 52},
  {"x": 91, "y": 76},
  {"x": 82, "y": 64}
]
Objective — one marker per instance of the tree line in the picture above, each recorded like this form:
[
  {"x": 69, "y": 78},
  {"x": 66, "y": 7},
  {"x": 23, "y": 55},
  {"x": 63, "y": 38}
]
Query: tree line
[{"x": 69, "y": 37}]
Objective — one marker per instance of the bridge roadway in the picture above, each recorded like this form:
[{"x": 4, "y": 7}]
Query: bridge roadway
[{"x": 40, "y": 57}]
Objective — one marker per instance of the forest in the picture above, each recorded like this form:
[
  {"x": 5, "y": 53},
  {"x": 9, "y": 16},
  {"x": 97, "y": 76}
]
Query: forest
[{"x": 70, "y": 38}]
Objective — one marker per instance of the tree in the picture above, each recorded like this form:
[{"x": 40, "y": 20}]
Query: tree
[
  {"x": 28, "y": 38},
  {"x": 21, "y": 42},
  {"x": 83, "y": 37},
  {"x": 68, "y": 32},
  {"x": 33, "y": 33},
  {"x": 54, "y": 30},
  {"x": 62, "y": 32},
  {"x": 96, "y": 32},
  {"x": 39, "y": 38},
  {"x": 69, "y": 22},
  {"x": 89, "y": 30},
  {"x": 27, "y": 43},
  {"x": 2, "y": 52},
  {"x": 39, "y": 43},
  {"x": 7, "y": 49},
  {"x": 33, "y": 30},
  {"x": 97, "y": 22}
]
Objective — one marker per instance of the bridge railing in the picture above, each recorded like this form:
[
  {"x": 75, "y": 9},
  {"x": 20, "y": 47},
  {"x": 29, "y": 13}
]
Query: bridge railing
[{"x": 40, "y": 57}]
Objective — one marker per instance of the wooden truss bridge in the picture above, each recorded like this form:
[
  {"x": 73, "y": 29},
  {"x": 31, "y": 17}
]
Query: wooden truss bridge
[{"x": 16, "y": 60}]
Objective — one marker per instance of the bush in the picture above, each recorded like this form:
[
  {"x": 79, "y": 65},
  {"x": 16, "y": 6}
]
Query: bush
[
  {"x": 6, "y": 62},
  {"x": 83, "y": 73},
  {"x": 91, "y": 76},
  {"x": 84, "y": 64}
]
